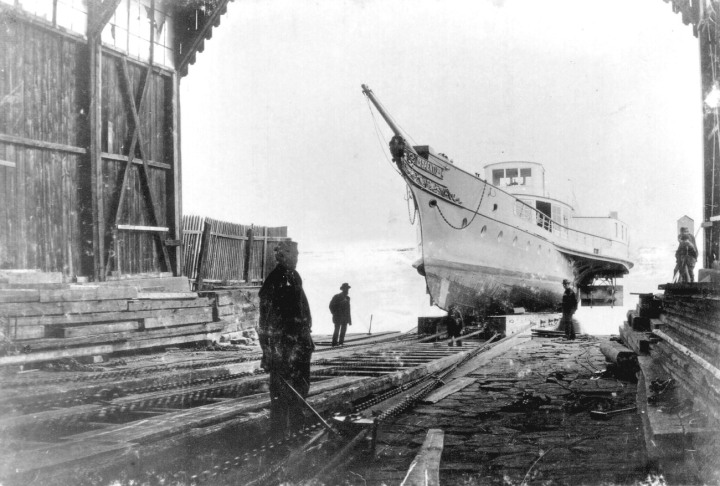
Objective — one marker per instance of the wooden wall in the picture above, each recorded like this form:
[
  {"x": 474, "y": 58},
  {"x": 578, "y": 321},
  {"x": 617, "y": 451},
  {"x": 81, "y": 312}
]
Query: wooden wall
[
  {"x": 46, "y": 219},
  {"x": 41, "y": 99},
  {"x": 138, "y": 251}
]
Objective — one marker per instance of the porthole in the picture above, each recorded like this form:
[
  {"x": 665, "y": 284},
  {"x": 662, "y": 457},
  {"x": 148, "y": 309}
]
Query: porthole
[
  {"x": 514, "y": 243},
  {"x": 527, "y": 247},
  {"x": 500, "y": 236},
  {"x": 539, "y": 249},
  {"x": 494, "y": 207},
  {"x": 464, "y": 223},
  {"x": 483, "y": 231}
]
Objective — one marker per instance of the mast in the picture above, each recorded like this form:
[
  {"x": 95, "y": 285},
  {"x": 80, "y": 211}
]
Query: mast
[
  {"x": 368, "y": 92},
  {"x": 398, "y": 144}
]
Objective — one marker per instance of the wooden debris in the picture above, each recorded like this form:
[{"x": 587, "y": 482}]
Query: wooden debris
[
  {"x": 448, "y": 389},
  {"x": 623, "y": 357},
  {"x": 639, "y": 342},
  {"x": 425, "y": 469}
]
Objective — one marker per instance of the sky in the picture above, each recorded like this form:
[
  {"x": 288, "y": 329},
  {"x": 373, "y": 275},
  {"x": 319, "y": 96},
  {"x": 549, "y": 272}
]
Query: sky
[{"x": 276, "y": 132}]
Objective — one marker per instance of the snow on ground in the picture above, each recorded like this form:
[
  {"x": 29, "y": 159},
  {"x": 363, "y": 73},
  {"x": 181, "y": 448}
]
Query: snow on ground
[
  {"x": 387, "y": 288},
  {"x": 384, "y": 286}
]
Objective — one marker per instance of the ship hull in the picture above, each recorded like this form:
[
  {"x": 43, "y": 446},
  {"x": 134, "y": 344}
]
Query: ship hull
[{"x": 480, "y": 256}]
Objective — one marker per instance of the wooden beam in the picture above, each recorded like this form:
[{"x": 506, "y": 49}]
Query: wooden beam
[
  {"x": 210, "y": 21},
  {"x": 124, "y": 158},
  {"x": 177, "y": 175},
  {"x": 27, "y": 142},
  {"x": 96, "y": 172},
  {"x": 130, "y": 227},
  {"x": 449, "y": 389},
  {"x": 99, "y": 14},
  {"x": 699, "y": 360},
  {"x": 425, "y": 468},
  {"x": 710, "y": 64}
]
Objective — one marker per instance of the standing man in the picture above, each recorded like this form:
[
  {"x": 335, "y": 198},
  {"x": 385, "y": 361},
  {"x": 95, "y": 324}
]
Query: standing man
[
  {"x": 284, "y": 332},
  {"x": 685, "y": 257},
  {"x": 569, "y": 306},
  {"x": 340, "y": 310},
  {"x": 453, "y": 325}
]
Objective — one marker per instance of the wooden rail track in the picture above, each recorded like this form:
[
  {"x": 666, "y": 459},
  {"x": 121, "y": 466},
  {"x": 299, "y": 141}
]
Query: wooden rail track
[{"x": 118, "y": 425}]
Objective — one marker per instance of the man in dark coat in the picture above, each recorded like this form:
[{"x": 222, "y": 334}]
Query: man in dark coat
[
  {"x": 284, "y": 332},
  {"x": 340, "y": 310},
  {"x": 685, "y": 257},
  {"x": 453, "y": 325},
  {"x": 569, "y": 306}
]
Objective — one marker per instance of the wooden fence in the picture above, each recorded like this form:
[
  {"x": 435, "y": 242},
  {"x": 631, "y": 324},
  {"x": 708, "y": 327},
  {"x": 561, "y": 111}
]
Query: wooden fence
[{"x": 221, "y": 252}]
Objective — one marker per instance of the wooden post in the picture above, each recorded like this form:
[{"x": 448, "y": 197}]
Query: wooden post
[
  {"x": 263, "y": 263},
  {"x": 708, "y": 41},
  {"x": 248, "y": 256},
  {"x": 96, "y": 169},
  {"x": 177, "y": 174},
  {"x": 202, "y": 257}
]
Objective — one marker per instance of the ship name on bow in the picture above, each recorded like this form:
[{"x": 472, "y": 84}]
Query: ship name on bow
[
  {"x": 428, "y": 184},
  {"x": 426, "y": 165}
]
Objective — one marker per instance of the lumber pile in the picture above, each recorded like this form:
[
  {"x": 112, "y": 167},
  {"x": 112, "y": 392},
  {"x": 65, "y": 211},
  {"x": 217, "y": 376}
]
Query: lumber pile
[
  {"x": 638, "y": 341},
  {"x": 42, "y": 319},
  {"x": 645, "y": 316},
  {"x": 689, "y": 346}
]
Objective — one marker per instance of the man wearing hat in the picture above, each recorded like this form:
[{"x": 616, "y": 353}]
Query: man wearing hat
[
  {"x": 284, "y": 332},
  {"x": 569, "y": 306},
  {"x": 340, "y": 310}
]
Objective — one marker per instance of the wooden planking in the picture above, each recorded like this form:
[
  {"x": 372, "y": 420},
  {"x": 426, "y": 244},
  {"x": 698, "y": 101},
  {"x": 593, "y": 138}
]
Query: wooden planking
[
  {"x": 88, "y": 292},
  {"x": 82, "y": 447},
  {"x": 40, "y": 87},
  {"x": 130, "y": 345},
  {"x": 19, "y": 295},
  {"x": 167, "y": 295},
  {"x": 95, "y": 317},
  {"x": 235, "y": 252},
  {"x": 25, "y": 332},
  {"x": 57, "y": 308},
  {"x": 93, "y": 330},
  {"x": 35, "y": 345},
  {"x": 89, "y": 342},
  {"x": 448, "y": 389},
  {"x": 159, "y": 304},
  {"x": 203, "y": 314},
  {"x": 425, "y": 468}
]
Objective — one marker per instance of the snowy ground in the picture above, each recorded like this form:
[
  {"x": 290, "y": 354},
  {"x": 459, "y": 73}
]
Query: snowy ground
[{"x": 386, "y": 288}]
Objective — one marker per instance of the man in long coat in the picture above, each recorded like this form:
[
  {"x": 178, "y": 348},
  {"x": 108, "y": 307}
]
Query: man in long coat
[
  {"x": 284, "y": 332},
  {"x": 569, "y": 306},
  {"x": 340, "y": 310}
]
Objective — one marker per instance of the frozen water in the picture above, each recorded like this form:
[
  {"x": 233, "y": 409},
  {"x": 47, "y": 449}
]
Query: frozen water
[
  {"x": 387, "y": 287},
  {"x": 383, "y": 283}
]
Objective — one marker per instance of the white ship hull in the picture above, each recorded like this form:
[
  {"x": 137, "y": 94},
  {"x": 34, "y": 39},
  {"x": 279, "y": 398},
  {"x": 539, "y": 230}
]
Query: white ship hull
[{"x": 483, "y": 249}]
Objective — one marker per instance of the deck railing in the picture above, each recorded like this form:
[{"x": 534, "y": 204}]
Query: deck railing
[{"x": 542, "y": 220}]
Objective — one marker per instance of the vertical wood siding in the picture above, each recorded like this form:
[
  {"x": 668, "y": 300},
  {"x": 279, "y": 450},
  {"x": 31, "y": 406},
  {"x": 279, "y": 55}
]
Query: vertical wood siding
[
  {"x": 39, "y": 225},
  {"x": 234, "y": 253},
  {"x": 45, "y": 198}
]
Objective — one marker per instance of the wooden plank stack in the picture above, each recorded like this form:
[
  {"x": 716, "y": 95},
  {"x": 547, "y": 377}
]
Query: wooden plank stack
[
  {"x": 41, "y": 321},
  {"x": 689, "y": 346},
  {"x": 237, "y": 309}
]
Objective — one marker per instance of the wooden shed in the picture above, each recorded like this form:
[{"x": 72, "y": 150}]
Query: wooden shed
[{"x": 90, "y": 163}]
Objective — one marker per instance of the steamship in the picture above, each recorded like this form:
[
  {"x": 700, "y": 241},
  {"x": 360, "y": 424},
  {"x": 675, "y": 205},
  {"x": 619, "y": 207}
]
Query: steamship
[{"x": 499, "y": 243}]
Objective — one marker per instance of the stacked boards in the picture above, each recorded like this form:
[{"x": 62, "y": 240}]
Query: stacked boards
[{"x": 44, "y": 321}]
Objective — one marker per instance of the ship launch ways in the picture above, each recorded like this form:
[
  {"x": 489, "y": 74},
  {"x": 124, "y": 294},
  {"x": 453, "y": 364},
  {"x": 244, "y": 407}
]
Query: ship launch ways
[{"x": 387, "y": 409}]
